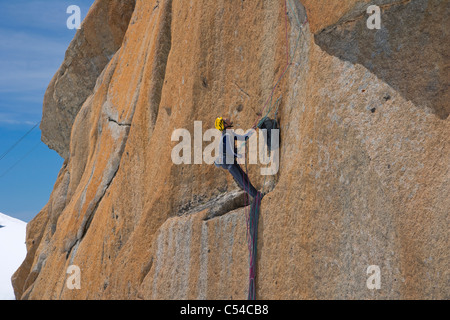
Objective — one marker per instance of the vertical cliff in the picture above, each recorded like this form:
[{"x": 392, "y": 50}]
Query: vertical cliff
[{"x": 364, "y": 152}]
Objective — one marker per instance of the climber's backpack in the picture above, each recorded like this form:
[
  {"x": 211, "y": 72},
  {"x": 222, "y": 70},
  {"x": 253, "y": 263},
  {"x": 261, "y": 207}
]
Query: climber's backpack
[{"x": 269, "y": 124}]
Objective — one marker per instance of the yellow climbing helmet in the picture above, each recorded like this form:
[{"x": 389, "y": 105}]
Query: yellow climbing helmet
[{"x": 220, "y": 124}]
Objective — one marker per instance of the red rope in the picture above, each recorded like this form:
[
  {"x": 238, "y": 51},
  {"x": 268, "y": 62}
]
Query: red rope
[
  {"x": 285, "y": 68},
  {"x": 252, "y": 214},
  {"x": 286, "y": 28}
]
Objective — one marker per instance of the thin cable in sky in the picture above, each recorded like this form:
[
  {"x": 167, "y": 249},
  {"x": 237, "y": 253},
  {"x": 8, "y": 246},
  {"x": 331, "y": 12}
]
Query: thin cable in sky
[
  {"x": 18, "y": 141},
  {"x": 20, "y": 160}
]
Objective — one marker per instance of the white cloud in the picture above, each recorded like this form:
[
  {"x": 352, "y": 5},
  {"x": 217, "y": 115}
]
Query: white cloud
[
  {"x": 28, "y": 61},
  {"x": 42, "y": 14},
  {"x": 34, "y": 38}
]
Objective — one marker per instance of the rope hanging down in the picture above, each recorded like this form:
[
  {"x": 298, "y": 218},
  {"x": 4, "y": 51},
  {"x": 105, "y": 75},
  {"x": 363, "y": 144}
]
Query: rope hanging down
[
  {"x": 252, "y": 236},
  {"x": 269, "y": 100},
  {"x": 253, "y": 214},
  {"x": 288, "y": 63}
]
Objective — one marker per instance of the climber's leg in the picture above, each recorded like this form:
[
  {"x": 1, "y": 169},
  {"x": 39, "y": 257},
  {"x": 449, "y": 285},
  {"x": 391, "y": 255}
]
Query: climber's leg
[{"x": 241, "y": 177}]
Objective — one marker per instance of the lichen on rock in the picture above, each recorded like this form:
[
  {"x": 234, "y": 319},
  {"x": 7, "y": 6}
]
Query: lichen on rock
[{"x": 363, "y": 177}]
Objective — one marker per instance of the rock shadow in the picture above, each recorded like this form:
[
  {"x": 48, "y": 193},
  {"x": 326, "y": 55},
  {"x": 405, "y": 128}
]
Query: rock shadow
[{"x": 410, "y": 51}]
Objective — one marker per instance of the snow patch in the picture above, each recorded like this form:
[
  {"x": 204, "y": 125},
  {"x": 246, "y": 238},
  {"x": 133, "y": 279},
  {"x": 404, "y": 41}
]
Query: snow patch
[{"x": 12, "y": 252}]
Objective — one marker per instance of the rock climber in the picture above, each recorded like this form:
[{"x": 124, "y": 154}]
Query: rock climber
[{"x": 227, "y": 154}]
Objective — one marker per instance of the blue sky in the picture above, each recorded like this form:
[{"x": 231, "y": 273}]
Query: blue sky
[{"x": 33, "y": 41}]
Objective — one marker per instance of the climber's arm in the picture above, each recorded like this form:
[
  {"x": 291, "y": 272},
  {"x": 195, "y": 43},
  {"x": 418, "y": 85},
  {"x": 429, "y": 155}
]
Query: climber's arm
[
  {"x": 230, "y": 144},
  {"x": 244, "y": 136}
]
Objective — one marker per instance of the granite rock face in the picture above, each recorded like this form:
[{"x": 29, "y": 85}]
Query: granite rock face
[
  {"x": 94, "y": 45},
  {"x": 409, "y": 53},
  {"x": 364, "y": 157}
]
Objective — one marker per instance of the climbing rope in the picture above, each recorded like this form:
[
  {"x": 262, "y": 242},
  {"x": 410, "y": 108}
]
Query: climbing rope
[
  {"x": 289, "y": 62},
  {"x": 252, "y": 236},
  {"x": 252, "y": 216},
  {"x": 277, "y": 103}
]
